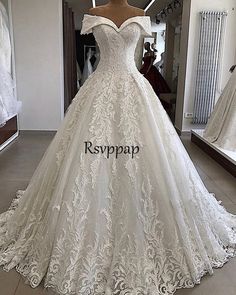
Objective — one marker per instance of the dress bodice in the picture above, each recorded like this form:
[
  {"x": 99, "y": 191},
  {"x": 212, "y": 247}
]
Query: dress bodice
[{"x": 117, "y": 44}]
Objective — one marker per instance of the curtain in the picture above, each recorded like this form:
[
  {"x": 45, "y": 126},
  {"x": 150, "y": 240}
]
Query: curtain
[{"x": 69, "y": 42}]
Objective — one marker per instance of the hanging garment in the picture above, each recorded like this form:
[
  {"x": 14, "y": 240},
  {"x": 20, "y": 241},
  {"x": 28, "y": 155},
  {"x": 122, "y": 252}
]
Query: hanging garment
[
  {"x": 160, "y": 64},
  {"x": 5, "y": 42},
  {"x": 221, "y": 127},
  {"x": 116, "y": 205},
  {"x": 97, "y": 55},
  {"x": 8, "y": 103},
  {"x": 79, "y": 75},
  {"x": 88, "y": 68}
]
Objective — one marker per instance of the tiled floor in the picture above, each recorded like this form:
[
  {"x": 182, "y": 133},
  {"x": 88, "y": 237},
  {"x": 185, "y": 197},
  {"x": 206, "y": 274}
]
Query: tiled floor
[{"x": 19, "y": 160}]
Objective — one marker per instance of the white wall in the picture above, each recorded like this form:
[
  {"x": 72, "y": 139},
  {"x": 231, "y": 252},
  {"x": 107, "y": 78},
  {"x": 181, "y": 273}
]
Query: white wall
[
  {"x": 38, "y": 39},
  {"x": 183, "y": 64},
  {"x": 185, "y": 99}
]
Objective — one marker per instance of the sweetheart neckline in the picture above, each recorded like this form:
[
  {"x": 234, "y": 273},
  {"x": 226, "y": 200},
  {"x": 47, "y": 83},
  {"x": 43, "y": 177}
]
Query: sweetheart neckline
[{"x": 118, "y": 28}]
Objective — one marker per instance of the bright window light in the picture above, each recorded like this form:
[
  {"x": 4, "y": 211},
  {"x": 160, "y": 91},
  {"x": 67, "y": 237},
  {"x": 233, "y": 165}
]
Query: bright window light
[
  {"x": 94, "y": 3},
  {"x": 149, "y": 5}
]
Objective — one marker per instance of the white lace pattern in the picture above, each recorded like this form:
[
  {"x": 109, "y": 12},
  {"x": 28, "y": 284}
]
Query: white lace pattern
[{"x": 91, "y": 225}]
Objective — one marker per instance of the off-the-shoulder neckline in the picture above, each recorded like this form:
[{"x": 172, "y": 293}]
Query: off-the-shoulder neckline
[{"x": 114, "y": 24}]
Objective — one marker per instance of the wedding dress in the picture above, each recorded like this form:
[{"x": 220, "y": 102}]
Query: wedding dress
[
  {"x": 8, "y": 103},
  {"x": 97, "y": 55},
  {"x": 5, "y": 42},
  {"x": 221, "y": 127},
  {"x": 79, "y": 75},
  {"x": 87, "y": 224},
  {"x": 88, "y": 68}
]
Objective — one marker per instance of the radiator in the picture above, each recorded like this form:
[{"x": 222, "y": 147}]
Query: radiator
[{"x": 212, "y": 25}]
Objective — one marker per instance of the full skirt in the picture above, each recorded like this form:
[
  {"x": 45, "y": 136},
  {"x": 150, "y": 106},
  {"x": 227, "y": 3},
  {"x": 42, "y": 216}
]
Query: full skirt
[{"x": 92, "y": 224}]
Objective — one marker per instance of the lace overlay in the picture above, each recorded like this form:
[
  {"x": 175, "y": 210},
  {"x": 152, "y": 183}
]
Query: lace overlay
[{"x": 91, "y": 225}]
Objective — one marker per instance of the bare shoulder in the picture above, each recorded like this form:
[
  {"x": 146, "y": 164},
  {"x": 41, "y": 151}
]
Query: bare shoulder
[
  {"x": 97, "y": 10},
  {"x": 138, "y": 11}
]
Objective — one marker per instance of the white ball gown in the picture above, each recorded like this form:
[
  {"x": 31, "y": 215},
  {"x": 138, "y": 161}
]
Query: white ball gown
[
  {"x": 221, "y": 127},
  {"x": 89, "y": 224}
]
